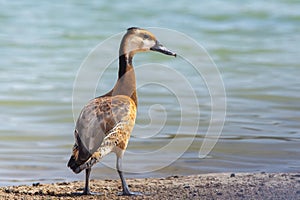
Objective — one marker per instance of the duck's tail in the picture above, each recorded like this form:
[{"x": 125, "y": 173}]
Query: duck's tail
[
  {"x": 74, "y": 165},
  {"x": 81, "y": 160},
  {"x": 77, "y": 168},
  {"x": 75, "y": 162}
]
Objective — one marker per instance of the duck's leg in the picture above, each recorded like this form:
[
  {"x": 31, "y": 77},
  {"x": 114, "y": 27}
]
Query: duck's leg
[
  {"x": 126, "y": 190},
  {"x": 86, "y": 190}
]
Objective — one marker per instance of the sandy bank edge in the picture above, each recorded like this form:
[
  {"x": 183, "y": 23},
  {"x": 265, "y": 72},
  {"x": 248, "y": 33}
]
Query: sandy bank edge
[{"x": 204, "y": 186}]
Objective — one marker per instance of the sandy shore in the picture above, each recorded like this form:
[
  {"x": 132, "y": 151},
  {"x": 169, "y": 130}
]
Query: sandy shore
[{"x": 208, "y": 186}]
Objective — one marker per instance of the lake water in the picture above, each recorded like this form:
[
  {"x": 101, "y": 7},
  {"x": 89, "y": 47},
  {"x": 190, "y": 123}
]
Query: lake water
[{"x": 254, "y": 44}]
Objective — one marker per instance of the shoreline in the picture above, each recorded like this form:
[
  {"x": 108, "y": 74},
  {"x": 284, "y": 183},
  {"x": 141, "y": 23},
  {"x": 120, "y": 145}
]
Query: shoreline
[{"x": 202, "y": 186}]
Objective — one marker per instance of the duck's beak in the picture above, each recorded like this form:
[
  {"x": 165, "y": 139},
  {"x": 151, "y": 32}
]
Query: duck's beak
[{"x": 160, "y": 48}]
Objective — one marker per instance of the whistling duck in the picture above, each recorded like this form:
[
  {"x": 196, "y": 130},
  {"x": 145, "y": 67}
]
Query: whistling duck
[{"x": 105, "y": 123}]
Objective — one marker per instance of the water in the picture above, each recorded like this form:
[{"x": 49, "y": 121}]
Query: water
[{"x": 254, "y": 44}]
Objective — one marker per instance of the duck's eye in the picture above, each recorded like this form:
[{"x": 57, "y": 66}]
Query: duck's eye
[{"x": 146, "y": 37}]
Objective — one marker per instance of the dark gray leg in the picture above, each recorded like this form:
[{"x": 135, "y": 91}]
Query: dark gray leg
[
  {"x": 126, "y": 190},
  {"x": 86, "y": 190}
]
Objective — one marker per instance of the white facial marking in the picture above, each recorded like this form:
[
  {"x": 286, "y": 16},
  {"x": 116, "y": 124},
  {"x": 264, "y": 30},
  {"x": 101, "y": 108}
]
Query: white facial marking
[{"x": 148, "y": 43}]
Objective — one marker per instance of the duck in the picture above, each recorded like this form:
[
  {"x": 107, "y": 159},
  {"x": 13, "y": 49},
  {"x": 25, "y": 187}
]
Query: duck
[{"x": 105, "y": 123}]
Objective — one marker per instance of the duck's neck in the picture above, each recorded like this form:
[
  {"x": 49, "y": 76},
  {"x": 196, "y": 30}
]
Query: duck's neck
[
  {"x": 126, "y": 81},
  {"x": 125, "y": 64}
]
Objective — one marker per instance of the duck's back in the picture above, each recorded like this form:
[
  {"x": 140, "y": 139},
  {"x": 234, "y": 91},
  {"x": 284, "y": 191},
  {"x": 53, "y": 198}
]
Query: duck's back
[{"x": 104, "y": 122}]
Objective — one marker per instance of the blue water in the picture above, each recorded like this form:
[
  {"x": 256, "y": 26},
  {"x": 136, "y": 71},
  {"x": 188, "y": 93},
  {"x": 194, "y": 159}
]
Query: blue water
[{"x": 254, "y": 44}]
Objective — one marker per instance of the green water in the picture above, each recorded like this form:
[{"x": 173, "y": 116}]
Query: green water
[{"x": 255, "y": 45}]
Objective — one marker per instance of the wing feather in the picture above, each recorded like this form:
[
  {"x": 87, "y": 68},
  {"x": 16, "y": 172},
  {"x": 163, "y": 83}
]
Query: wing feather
[{"x": 96, "y": 120}]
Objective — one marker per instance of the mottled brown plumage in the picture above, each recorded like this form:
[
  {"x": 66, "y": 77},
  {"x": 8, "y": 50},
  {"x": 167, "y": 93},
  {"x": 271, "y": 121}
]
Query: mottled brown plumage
[{"x": 105, "y": 123}]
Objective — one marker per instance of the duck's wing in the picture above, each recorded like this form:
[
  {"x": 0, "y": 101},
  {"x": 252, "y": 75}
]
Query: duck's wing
[{"x": 95, "y": 122}]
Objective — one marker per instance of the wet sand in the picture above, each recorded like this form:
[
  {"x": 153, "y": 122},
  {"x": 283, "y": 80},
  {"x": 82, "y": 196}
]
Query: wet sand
[{"x": 204, "y": 186}]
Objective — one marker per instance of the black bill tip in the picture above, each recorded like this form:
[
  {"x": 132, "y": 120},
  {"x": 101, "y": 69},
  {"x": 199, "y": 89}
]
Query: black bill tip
[{"x": 160, "y": 48}]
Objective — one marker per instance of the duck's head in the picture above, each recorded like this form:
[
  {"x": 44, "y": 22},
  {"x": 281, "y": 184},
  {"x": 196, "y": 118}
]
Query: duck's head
[{"x": 140, "y": 40}]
